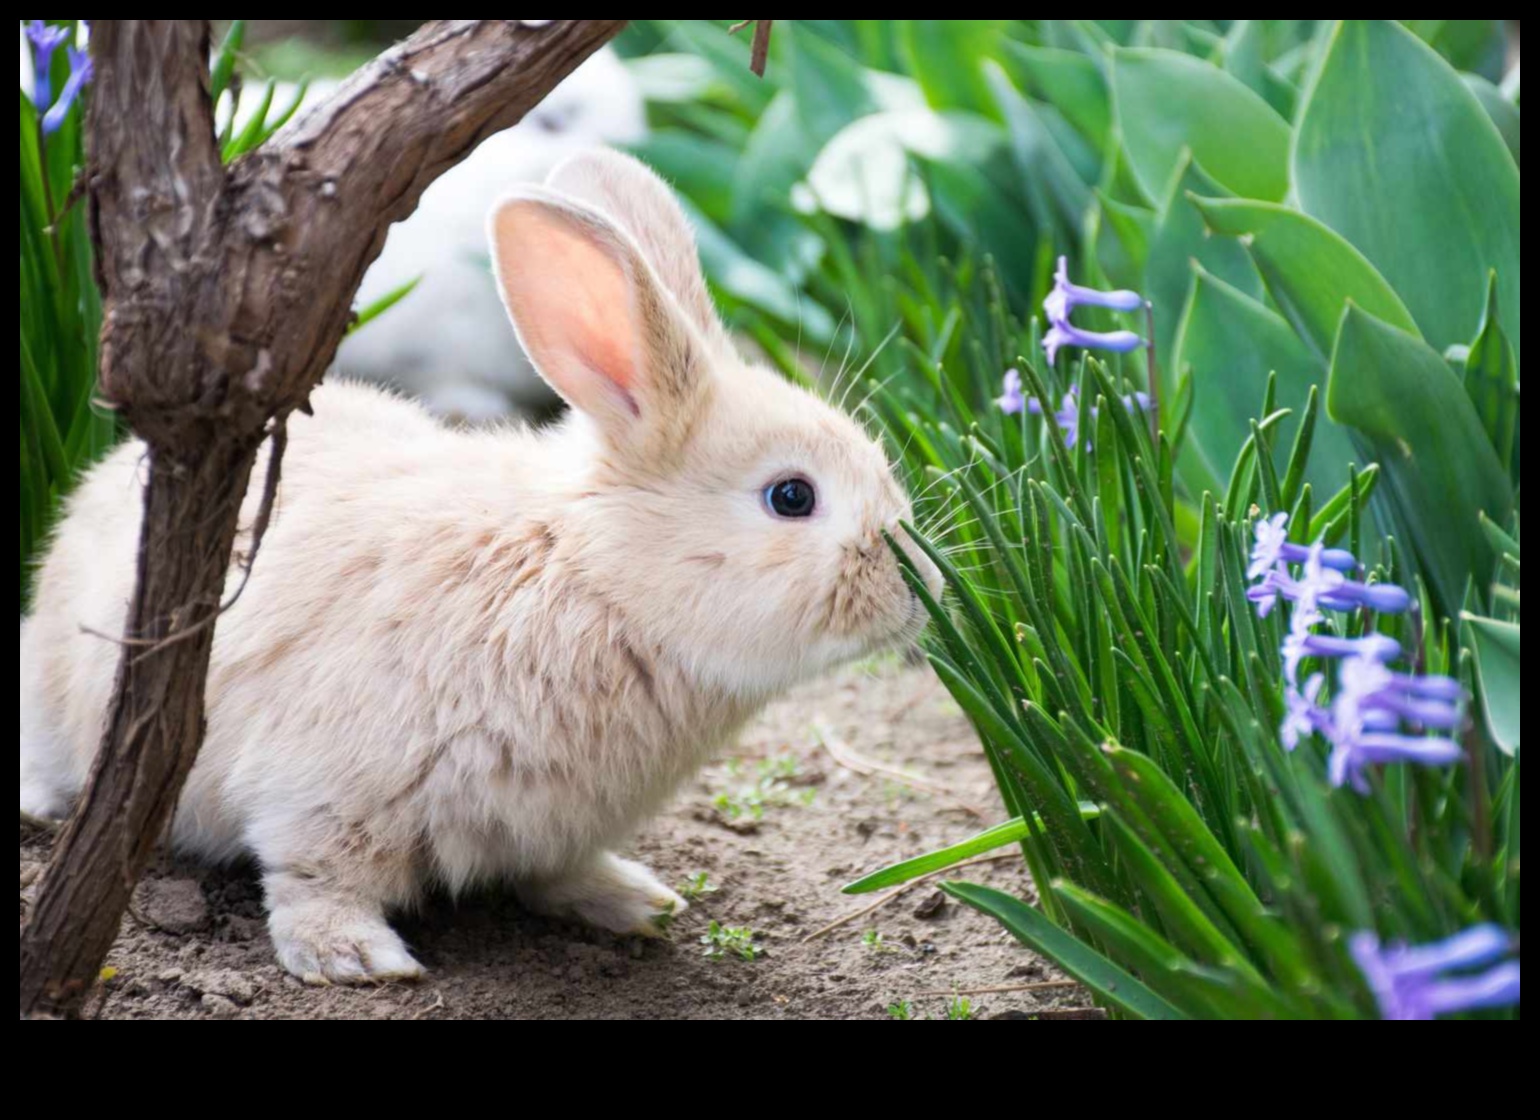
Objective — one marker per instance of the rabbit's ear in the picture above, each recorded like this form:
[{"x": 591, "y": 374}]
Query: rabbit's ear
[
  {"x": 643, "y": 205},
  {"x": 594, "y": 318}
]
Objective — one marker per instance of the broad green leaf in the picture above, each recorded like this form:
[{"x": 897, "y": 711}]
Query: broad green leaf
[
  {"x": 666, "y": 77},
  {"x": 1085, "y": 964},
  {"x": 947, "y": 57},
  {"x": 1504, "y": 113},
  {"x": 1069, "y": 81},
  {"x": 1496, "y": 646},
  {"x": 1180, "y": 239},
  {"x": 1001, "y": 836},
  {"x": 1229, "y": 344},
  {"x": 1492, "y": 380},
  {"x": 1167, "y": 102},
  {"x": 1311, "y": 272},
  {"x": 1416, "y": 420},
  {"x": 1395, "y": 153}
]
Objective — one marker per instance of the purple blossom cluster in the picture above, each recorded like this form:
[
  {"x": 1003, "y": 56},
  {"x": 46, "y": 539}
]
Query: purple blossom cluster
[
  {"x": 46, "y": 41},
  {"x": 1014, "y": 402},
  {"x": 1061, "y": 304},
  {"x": 1375, "y": 716}
]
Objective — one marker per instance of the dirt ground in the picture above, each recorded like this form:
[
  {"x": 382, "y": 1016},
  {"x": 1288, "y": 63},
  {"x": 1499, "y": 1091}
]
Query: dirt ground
[{"x": 777, "y": 830}]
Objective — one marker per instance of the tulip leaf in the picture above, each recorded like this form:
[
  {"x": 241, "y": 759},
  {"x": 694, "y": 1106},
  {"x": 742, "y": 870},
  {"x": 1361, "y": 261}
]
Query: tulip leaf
[
  {"x": 1496, "y": 646},
  {"x": 1504, "y": 113},
  {"x": 1415, "y": 419},
  {"x": 947, "y": 56},
  {"x": 1311, "y": 272},
  {"x": 1084, "y": 963},
  {"x": 1179, "y": 240},
  {"x": 1229, "y": 345},
  {"x": 1492, "y": 380},
  {"x": 1396, "y": 154},
  {"x": 1167, "y": 101},
  {"x": 1069, "y": 81}
]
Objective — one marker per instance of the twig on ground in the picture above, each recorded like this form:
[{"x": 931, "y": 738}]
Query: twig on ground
[
  {"x": 847, "y": 757},
  {"x": 436, "y": 1006},
  {"x": 899, "y": 892}
]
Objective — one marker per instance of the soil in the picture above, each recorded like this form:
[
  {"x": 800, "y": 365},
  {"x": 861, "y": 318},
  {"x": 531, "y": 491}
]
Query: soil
[{"x": 778, "y": 829}]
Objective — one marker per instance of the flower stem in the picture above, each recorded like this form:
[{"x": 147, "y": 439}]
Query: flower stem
[
  {"x": 48, "y": 202},
  {"x": 1154, "y": 375}
]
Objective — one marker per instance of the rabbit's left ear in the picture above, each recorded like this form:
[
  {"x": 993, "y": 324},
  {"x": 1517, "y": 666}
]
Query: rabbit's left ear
[
  {"x": 641, "y": 203},
  {"x": 595, "y": 320}
]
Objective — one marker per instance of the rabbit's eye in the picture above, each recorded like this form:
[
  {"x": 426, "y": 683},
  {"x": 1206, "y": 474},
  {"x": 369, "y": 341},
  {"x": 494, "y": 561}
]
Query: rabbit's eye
[{"x": 792, "y": 497}]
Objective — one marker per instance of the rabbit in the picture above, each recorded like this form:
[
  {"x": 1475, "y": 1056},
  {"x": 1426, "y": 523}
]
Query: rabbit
[
  {"x": 483, "y": 376},
  {"x": 472, "y": 657}
]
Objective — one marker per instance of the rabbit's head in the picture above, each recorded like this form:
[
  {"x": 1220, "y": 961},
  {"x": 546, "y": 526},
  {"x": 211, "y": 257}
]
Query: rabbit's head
[{"x": 735, "y": 518}]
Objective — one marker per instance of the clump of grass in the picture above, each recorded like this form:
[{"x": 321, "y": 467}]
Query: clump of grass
[
  {"x": 722, "y": 942},
  {"x": 769, "y": 784},
  {"x": 901, "y": 1010}
]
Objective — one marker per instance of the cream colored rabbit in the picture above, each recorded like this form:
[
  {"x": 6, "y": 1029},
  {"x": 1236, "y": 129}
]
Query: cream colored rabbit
[{"x": 475, "y": 657}]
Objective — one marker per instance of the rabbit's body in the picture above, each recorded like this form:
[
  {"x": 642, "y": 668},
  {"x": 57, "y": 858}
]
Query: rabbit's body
[{"x": 476, "y": 656}]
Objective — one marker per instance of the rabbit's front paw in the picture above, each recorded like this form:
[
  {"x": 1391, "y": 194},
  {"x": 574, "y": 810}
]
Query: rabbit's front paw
[
  {"x": 340, "y": 945},
  {"x": 612, "y": 894}
]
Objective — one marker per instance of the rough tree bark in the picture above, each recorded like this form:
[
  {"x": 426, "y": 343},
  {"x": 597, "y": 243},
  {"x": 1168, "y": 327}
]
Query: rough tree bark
[{"x": 227, "y": 292}]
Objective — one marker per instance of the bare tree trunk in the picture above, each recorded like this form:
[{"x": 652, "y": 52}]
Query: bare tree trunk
[{"x": 227, "y": 292}]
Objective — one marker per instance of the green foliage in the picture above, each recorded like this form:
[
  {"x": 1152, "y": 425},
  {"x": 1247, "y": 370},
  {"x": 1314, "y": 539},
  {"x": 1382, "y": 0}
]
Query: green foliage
[
  {"x": 62, "y": 427},
  {"x": 1307, "y": 285},
  {"x": 903, "y": 1010},
  {"x": 723, "y": 942},
  {"x": 769, "y": 784},
  {"x": 696, "y": 887}
]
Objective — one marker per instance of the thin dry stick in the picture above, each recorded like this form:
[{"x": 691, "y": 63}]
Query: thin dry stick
[
  {"x": 1005, "y": 989},
  {"x": 847, "y": 757},
  {"x": 1154, "y": 378},
  {"x": 894, "y": 895},
  {"x": 760, "y": 58}
]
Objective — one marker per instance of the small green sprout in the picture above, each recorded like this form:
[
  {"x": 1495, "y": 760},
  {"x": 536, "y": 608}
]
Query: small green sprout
[
  {"x": 697, "y": 887},
  {"x": 722, "y": 942},
  {"x": 959, "y": 1008},
  {"x": 901, "y": 1010},
  {"x": 769, "y": 786}
]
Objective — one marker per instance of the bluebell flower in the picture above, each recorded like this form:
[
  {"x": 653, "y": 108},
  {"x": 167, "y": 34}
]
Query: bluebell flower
[
  {"x": 1068, "y": 415},
  {"x": 1303, "y": 644},
  {"x": 1305, "y": 715},
  {"x": 81, "y": 70},
  {"x": 1061, "y": 304},
  {"x": 45, "y": 41},
  {"x": 1274, "y": 548},
  {"x": 1432, "y": 702},
  {"x": 1065, "y": 333},
  {"x": 1364, "y": 733},
  {"x": 1418, "y": 983},
  {"x": 1012, "y": 402},
  {"x": 1326, "y": 588},
  {"x": 1065, "y": 297}
]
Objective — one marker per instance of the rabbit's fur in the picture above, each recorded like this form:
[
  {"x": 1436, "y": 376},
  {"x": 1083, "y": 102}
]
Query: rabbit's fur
[{"x": 468, "y": 657}]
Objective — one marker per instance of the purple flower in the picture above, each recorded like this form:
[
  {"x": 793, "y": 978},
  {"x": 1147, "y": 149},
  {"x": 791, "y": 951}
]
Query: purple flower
[
  {"x": 1068, "y": 416},
  {"x": 45, "y": 41},
  {"x": 1061, "y": 304},
  {"x": 1305, "y": 716},
  {"x": 1425, "y": 701},
  {"x": 1013, "y": 403},
  {"x": 1302, "y": 644},
  {"x": 1065, "y": 333},
  {"x": 1439, "y": 979},
  {"x": 1065, "y": 297},
  {"x": 1327, "y": 589},
  {"x": 1365, "y": 733},
  {"x": 81, "y": 70},
  {"x": 1273, "y": 548}
]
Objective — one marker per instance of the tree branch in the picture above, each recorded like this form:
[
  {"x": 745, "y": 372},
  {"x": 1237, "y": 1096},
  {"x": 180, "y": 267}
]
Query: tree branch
[{"x": 226, "y": 293}]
